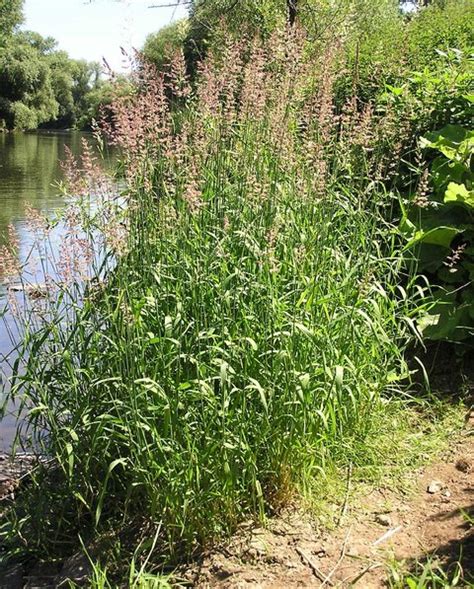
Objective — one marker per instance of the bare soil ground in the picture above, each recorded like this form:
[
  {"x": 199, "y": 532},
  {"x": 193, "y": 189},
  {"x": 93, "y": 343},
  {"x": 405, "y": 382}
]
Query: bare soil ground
[{"x": 292, "y": 551}]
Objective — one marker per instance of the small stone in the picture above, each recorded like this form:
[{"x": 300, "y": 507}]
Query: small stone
[
  {"x": 252, "y": 554},
  {"x": 447, "y": 494},
  {"x": 383, "y": 520},
  {"x": 257, "y": 548},
  {"x": 434, "y": 487}
]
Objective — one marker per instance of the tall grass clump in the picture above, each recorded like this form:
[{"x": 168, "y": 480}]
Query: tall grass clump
[{"x": 253, "y": 317}]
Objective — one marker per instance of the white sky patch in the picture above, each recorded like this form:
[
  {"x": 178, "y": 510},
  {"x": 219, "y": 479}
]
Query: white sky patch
[{"x": 97, "y": 29}]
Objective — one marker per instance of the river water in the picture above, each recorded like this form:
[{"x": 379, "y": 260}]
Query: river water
[{"x": 30, "y": 169}]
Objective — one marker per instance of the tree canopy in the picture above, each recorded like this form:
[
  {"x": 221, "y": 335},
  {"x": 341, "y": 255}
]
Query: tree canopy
[
  {"x": 41, "y": 85},
  {"x": 160, "y": 47},
  {"x": 416, "y": 34},
  {"x": 11, "y": 17}
]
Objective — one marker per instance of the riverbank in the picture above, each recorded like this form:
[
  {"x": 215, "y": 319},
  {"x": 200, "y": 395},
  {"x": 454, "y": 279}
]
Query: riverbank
[
  {"x": 415, "y": 521},
  {"x": 423, "y": 535},
  {"x": 242, "y": 329}
]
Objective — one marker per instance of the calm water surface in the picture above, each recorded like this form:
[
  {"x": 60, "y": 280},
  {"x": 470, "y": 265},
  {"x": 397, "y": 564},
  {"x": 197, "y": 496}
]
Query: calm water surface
[{"x": 30, "y": 169}]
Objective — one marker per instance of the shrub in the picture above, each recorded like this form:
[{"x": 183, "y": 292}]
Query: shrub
[
  {"x": 23, "y": 117},
  {"x": 439, "y": 224},
  {"x": 439, "y": 27}
]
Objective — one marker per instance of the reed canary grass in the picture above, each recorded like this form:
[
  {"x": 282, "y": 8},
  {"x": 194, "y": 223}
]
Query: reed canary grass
[{"x": 250, "y": 322}]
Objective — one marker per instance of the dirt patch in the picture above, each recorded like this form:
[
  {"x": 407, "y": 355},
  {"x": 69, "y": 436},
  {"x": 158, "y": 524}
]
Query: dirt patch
[{"x": 292, "y": 551}]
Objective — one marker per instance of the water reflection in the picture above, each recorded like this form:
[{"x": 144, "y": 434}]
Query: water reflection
[{"x": 30, "y": 169}]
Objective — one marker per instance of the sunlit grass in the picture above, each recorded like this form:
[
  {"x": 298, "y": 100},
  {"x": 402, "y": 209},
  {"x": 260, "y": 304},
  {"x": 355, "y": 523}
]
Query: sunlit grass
[{"x": 249, "y": 334}]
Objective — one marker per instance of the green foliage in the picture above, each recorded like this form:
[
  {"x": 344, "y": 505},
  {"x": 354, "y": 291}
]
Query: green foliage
[
  {"x": 251, "y": 16},
  {"x": 368, "y": 59},
  {"x": 22, "y": 116},
  {"x": 429, "y": 574},
  {"x": 25, "y": 78},
  {"x": 427, "y": 52},
  {"x": 160, "y": 47},
  {"x": 246, "y": 332},
  {"x": 11, "y": 17},
  {"x": 95, "y": 104},
  {"x": 438, "y": 27},
  {"x": 365, "y": 23},
  {"x": 86, "y": 78},
  {"x": 441, "y": 230},
  {"x": 435, "y": 96},
  {"x": 211, "y": 20},
  {"x": 40, "y": 85}
]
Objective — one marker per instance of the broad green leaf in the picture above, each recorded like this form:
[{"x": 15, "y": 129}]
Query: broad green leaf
[
  {"x": 438, "y": 236},
  {"x": 448, "y": 321},
  {"x": 453, "y": 141},
  {"x": 444, "y": 171},
  {"x": 459, "y": 193},
  {"x": 395, "y": 90},
  {"x": 451, "y": 133},
  {"x": 455, "y": 275}
]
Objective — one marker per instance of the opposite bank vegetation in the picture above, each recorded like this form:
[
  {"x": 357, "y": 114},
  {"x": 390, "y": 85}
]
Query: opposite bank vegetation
[
  {"x": 41, "y": 86},
  {"x": 292, "y": 219}
]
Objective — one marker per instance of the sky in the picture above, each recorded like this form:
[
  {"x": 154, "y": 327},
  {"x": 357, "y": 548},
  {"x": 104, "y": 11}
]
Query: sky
[{"x": 96, "y": 29}]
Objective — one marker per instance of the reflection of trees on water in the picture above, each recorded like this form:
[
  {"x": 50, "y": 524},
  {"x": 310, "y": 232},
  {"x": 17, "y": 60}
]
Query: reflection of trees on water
[{"x": 29, "y": 166}]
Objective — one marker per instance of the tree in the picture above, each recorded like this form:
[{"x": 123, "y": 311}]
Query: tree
[
  {"x": 40, "y": 85},
  {"x": 85, "y": 78},
  {"x": 97, "y": 101},
  {"x": 25, "y": 85},
  {"x": 161, "y": 46},
  {"x": 11, "y": 17}
]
